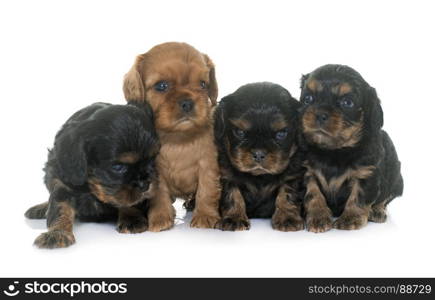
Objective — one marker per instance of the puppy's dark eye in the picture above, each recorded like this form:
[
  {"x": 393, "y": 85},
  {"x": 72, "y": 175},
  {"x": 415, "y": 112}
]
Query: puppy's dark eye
[
  {"x": 119, "y": 168},
  {"x": 308, "y": 99},
  {"x": 346, "y": 103},
  {"x": 280, "y": 135},
  {"x": 202, "y": 84},
  {"x": 161, "y": 86},
  {"x": 240, "y": 133}
]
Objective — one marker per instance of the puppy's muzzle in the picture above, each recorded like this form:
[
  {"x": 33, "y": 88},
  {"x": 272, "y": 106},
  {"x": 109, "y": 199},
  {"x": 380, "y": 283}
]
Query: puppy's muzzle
[
  {"x": 321, "y": 118},
  {"x": 258, "y": 155},
  {"x": 186, "y": 105}
]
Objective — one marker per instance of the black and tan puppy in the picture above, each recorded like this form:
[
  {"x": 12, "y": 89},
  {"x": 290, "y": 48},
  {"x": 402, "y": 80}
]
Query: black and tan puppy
[
  {"x": 100, "y": 168},
  {"x": 261, "y": 167},
  {"x": 352, "y": 167}
]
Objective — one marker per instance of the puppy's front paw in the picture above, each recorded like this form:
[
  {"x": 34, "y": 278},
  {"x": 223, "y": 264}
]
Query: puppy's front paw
[
  {"x": 287, "y": 223},
  {"x": 204, "y": 221},
  {"x": 350, "y": 221},
  {"x": 132, "y": 224},
  {"x": 378, "y": 216},
  {"x": 161, "y": 219},
  {"x": 235, "y": 224},
  {"x": 318, "y": 222},
  {"x": 55, "y": 239}
]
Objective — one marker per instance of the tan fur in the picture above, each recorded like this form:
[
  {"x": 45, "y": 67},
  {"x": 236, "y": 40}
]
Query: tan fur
[
  {"x": 335, "y": 183},
  {"x": 287, "y": 215},
  {"x": 125, "y": 197},
  {"x": 274, "y": 163},
  {"x": 241, "y": 123},
  {"x": 187, "y": 162},
  {"x": 341, "y": 89},
  {"x": 318, "y": 214},
  {"x": 336, "y": 133},
  {"x": 128, "y": 157},
  {"x": 238, "y": 210},
  {"x": 65, "y": 220},
  {"x": 279, "y": 125},
  {"x": 314, "y": 85},
  {"x": 354, "y": 216},
  {"x": 378, "y": 212},
  {"x": 131, "y": 220}
]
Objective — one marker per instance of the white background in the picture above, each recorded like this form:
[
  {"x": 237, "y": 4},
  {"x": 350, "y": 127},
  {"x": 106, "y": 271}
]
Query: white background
[{"x": 58, "y": 56}]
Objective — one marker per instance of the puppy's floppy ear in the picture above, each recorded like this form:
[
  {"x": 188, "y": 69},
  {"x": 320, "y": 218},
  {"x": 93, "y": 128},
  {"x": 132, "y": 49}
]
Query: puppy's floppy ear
[
  {"x": 71, "y": 159},
  {"x": 375, "y": 114},
  {"x": 212, "y": 86},
  {"x": 133, "y": 87},
  {"x": 219, "y": 120},
  {"x": 145, "y": 106},
  {"x": 303, "y": 80}
]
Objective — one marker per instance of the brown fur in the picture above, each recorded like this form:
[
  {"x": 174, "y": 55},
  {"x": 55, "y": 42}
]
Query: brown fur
[
  {"x": 353, "y": 216},
  {"x": 287, "y": 216},
  {"x": 131, "y": 220},
  {"x": 274, "y": 163},
  {"x": 341, "y": 89},
  {"x": 319, "y": 216},
  {"x": 59, "y": 234},
  {"x": 279, "y": 125},
  {"x": 129, "y": 157},
  {"x": 314, "y": 85},
  {"x": 336, "y": 134},
  {"x": 378, "y": 212},
  {"x": 236, "y": 213},
  {"x": 127, "y": 196},
  {"x": 241, "y": 123},
  {"x": 187, "y": 162}
]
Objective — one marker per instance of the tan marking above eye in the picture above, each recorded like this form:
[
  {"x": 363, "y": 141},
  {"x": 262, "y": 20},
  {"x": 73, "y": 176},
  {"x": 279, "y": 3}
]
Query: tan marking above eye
[
  {"x": 241, "y": 123},
  {"x": 128, "y": 157},
  {"x": 341, "y": 89},
  {"x": 279, "y": 124},
  {"x": 314, "y": 85}
]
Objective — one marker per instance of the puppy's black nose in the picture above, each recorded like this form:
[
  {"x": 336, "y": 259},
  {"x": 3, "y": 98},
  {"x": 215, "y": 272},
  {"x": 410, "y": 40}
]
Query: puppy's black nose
[
  {"x": 322, "y": 117},
  {"x": 142, "y": 185},
  {"x": 258, "y": 155},
  {"x": 186, "y": 105}
]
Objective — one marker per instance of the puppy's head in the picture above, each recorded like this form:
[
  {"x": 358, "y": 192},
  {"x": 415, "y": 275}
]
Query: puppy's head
[
  {"x": 179, "y": 83},
  {"x": 256, "y": 128},
  {"x": 340, "y": 108},
  {"x": 112, "y": 151}
]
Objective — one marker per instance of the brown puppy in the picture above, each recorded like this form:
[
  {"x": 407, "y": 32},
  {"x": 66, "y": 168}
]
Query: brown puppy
[{"x": 180, "y": 85}]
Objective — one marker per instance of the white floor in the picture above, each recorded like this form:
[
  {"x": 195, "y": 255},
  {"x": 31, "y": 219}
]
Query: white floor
[{"x": 391, "y": 249}]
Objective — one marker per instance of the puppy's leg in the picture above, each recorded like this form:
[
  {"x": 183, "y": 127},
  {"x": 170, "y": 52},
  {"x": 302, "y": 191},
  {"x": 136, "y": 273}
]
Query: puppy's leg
[
  {"x": 318, "y": 214},
  {"x": 161, "y": 214},
  {"x": 378, "y": 213},
  {"x": 234, "y": 211},
  {"x": 38, "y": 211},
  {"x": 60, "y": 219},
  {"x": 355, "y": 214},
  {"x": 287, "y": 216},
  {"x": 206, "y": 212},
  {"x": 131, "y": 220}
]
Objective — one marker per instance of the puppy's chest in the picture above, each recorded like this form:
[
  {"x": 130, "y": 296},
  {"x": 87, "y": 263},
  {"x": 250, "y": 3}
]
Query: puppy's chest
[
  {"x": 334, "y": 185},
  {"x": 178, "y": 165},
  {"x": 260, "y": 198},
  {"x": 336, "y": 181}
]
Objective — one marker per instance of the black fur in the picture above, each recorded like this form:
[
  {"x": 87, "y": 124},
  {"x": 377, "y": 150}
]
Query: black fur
[
  {"x": 373, "y": 148},
  {"x": 260, "y": 104},
  {"x": 85, "y": 150}
]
